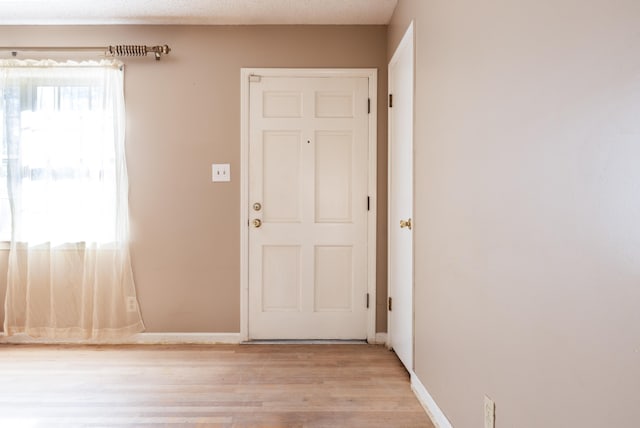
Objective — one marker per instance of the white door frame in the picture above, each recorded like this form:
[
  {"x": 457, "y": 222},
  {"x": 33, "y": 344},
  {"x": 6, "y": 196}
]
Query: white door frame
[{"x": 245, "y": 74}]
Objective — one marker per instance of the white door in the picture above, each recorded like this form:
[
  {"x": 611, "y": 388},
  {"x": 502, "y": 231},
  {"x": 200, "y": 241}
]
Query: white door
[
  {"x": 308, "y": 160},
  {"x": 400, "y": 267}
]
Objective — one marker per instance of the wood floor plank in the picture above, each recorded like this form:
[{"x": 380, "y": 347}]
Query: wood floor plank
[{"x": 206, "y": 386}]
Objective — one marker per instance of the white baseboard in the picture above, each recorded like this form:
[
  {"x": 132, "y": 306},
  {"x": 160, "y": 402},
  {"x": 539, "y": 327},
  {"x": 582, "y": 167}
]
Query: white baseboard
[
  {"x": 187, "y": 338},
  {"x": 437, "y": 417},
  {"x": 139, "y": 339},
  {"x": 380, "y": 339}
]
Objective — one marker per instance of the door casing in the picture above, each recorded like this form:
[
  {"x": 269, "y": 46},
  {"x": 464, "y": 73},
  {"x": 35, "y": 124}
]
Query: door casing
[{"x": 245, "y": 75}]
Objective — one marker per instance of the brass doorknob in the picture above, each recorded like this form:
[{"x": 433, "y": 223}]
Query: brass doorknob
[
  {"x": 405, "y": 224},
  {"x": 257, "y": 206},
  {"x": 257, "y": 222}
]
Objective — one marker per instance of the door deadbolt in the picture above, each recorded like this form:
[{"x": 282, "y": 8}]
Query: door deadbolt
[
  {"x": 257, "y": 206},
  {"x": 405, "y": 224},
  {"x": 257, "y": 222}
]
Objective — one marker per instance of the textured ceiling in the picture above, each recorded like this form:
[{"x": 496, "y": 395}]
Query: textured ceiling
[{"x": 194, "y": 12}]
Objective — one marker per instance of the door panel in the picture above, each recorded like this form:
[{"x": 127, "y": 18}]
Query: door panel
[
  {"x": 281, "y": 176},
  {"x": 282, "y": 104},
  {"x": 308, "y": 157},
  {"x": 280, "y": 278},
  {"x": 333, "y": 180},
  {"x": 334, "y": 104},
  {"x": 333, "y": 278}
]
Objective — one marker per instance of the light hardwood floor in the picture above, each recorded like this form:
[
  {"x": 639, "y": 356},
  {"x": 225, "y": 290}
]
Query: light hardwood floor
[{"x": 205, "y": 386}]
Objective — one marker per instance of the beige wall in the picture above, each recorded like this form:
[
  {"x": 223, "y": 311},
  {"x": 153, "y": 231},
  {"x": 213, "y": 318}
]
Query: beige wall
[
  {"x": 184, "y": 114},
  {"x": 527, "y": 209}
]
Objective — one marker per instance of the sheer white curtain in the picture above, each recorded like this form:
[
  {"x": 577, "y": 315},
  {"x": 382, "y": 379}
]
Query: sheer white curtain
[{"x": 64, "y": 201}]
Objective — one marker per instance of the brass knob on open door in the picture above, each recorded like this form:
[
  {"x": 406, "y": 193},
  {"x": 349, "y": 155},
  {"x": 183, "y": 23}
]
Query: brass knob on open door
[
  {"x": 257, "y": 206},
  {"x": 405, "y": 224},
  {"x": 257, "y": 222}
]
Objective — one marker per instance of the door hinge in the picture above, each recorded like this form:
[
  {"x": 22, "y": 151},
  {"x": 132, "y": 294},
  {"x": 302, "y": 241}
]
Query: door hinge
[
  {"x": 368, "y": 203},
  {"x": 367, "y": 300},
  {"x": 368, "y": 105},
  {"x": 390, "y": 100},
  {"x": 390, "y": 304}
]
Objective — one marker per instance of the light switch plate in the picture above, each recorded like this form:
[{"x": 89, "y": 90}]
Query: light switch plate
[{"x": 220, "y": 172}]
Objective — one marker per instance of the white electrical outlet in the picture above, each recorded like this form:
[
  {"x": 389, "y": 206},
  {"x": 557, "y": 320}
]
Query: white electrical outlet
[
  {"x": 489, "y": 413},
  {"x": 220, "y": 172},
  {"x": 132, "y": 304}
]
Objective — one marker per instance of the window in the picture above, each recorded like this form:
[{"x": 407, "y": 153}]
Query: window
[{"x": 58, "y": 180}]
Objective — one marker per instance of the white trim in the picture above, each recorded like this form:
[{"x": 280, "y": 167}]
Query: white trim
[
  {"x": 138, "y": 339},
  {"x": 372, "y": 74},
  {"x": 244, "y": 201},
  {"x": 306, "y": 342},
  {"x": 381, "y": 339},
  {"x": 245, "y": 73},
  {"x": 433, "y": 411}
]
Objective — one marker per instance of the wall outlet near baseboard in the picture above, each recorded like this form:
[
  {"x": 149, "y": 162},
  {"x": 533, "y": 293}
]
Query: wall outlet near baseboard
[
  {"x": 489, "y": 413},
  {"x": 132, "y": 304}
]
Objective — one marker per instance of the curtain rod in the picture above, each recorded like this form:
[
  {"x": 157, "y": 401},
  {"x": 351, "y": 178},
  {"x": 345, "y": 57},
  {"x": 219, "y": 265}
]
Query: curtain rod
[{"x": 117, "y": 50}]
